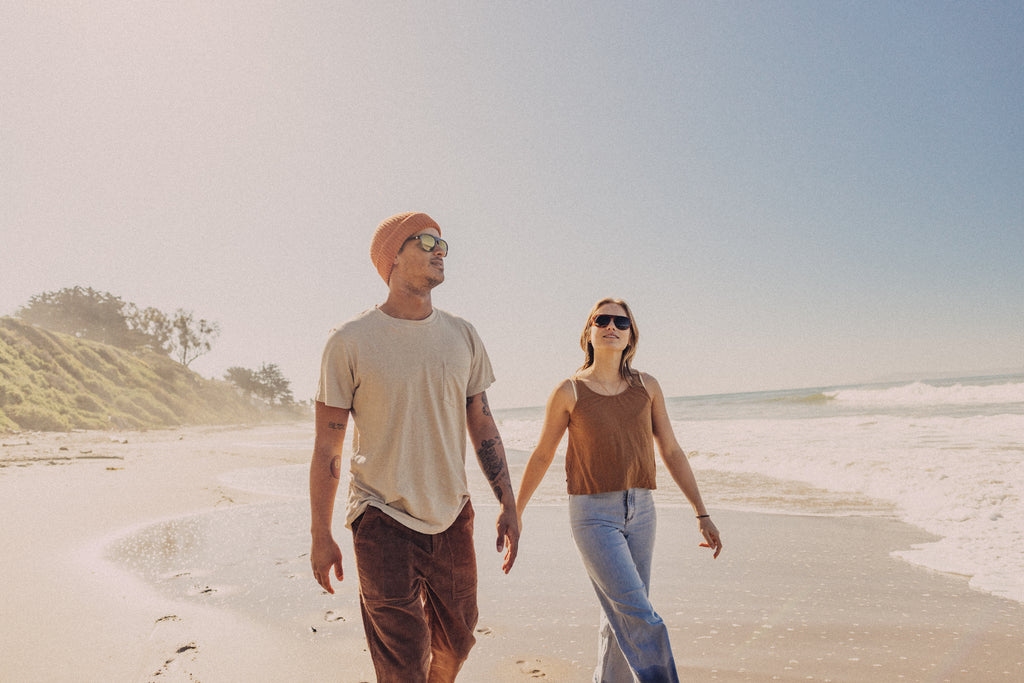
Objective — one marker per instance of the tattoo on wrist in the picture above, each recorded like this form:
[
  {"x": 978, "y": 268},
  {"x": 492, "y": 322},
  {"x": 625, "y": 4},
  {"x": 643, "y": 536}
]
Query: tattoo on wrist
[{"x": 338, "y": 426}]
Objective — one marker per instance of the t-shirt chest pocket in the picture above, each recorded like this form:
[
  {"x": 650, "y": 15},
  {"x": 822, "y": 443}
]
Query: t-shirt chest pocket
[
  {"x": 453, "y": 383},
  {"x": 455, "y": 368}
]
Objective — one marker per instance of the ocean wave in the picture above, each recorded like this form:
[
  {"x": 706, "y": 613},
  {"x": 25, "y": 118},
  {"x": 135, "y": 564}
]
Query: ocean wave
[
  {"x": 924, "y": 394},
  {"x": 816, "y": 398},
  {"x": 957, "y": 477}
]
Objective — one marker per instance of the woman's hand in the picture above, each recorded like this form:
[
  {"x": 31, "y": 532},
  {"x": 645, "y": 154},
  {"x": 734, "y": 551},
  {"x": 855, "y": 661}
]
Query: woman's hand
[{"x": 711, "y": 537}]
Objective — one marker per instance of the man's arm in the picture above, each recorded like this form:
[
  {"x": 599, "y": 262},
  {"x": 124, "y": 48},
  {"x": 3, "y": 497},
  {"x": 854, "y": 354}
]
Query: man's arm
[
  {"x": 490, "y": 453},
  {"x": 324, "y": 475}
]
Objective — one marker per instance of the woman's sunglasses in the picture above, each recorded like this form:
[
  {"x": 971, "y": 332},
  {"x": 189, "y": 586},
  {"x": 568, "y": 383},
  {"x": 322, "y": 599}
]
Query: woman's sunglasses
[
  {"x": 429, "y": 243},
  {"x": 621, "y": 321}
]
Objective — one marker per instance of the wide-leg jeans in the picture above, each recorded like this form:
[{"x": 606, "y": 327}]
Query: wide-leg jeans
[{"x": 614, "y": 533}]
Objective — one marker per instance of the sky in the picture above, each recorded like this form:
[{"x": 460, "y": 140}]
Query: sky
[{"x": 788, "y": 194}]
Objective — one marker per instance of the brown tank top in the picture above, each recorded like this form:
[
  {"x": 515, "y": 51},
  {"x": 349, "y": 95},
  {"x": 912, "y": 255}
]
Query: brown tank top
[{"x": 611, "y": 442}]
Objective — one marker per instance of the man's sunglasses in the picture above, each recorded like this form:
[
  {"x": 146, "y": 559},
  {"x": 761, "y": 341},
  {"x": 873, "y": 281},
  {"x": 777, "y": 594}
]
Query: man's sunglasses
[
  {"x": 621, "y": 321},
  {"x": 429, "y": 243}
]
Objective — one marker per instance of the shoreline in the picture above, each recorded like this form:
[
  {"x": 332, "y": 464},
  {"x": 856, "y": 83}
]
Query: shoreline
[{"x": 792, "y": 596}]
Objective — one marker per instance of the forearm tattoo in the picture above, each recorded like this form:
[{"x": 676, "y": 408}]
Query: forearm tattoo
[
  {"x": 336, "y": 460},
  {"x": 486, "y": 406},
  {"x": 492, "y": 462}
]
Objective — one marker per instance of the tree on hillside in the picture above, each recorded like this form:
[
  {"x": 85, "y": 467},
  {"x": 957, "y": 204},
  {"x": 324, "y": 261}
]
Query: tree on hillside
[
  {"x": 152, "y": 327},
  {"x": 268, "y": 383},
  {"x": 103, "y": 317},
  {"x": 80, "y": 311},
  {"x": 191, "y": 338},
  {"x": 243, "y": 378},
  {"x": 273, "y": 384}
]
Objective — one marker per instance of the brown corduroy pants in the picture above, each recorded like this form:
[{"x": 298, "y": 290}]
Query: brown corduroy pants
[{"x": 417, "y": 593}]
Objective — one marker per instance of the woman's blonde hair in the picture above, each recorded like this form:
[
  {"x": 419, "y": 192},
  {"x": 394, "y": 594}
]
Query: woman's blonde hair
[{"x": 625, "y": 371}]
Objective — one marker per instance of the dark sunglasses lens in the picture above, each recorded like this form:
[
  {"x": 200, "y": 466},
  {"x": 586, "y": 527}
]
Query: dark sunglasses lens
[{"x": 621, "y": 321}]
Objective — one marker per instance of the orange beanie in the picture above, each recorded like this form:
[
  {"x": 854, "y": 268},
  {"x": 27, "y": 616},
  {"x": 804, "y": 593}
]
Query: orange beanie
[{"x": 392, "y": 233}]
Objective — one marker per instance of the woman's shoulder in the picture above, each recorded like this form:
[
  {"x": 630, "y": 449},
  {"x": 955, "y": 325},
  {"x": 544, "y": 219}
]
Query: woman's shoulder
[
  {"x": 565, "y": 392},
  {"x": 647, "y": 381},
  {"x": 562, "y": 398},
  {"x": 567, "y": 386}
]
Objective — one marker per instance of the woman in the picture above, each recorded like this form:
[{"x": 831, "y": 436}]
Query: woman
[{"x": 615, "y": 415}]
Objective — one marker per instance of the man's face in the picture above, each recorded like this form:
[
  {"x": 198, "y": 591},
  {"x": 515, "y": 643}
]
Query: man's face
[{"x": 418, "y": 267}]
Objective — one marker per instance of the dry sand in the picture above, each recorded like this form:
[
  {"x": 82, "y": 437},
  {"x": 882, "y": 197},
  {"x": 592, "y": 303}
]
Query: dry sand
[{"x": 791, "y": 597}]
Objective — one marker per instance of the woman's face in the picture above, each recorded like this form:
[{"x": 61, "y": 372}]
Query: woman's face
[{"x": 610, "y": 336}]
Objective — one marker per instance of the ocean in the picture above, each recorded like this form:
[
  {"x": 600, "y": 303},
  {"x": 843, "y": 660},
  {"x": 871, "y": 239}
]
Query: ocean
[{"x": 944, "y": 455}]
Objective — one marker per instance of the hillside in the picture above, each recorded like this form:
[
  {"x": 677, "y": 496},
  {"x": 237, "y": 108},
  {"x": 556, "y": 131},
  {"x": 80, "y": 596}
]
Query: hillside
[{"x": 57, "y": 382}]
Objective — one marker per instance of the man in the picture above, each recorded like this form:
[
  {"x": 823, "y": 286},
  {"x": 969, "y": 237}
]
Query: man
[{"x": 413, "y": 378}]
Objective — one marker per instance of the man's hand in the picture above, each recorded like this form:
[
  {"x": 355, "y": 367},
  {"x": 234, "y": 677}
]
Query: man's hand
[
  {"x": 508, "y": 536},
  {"x": 323, "y": 556}
]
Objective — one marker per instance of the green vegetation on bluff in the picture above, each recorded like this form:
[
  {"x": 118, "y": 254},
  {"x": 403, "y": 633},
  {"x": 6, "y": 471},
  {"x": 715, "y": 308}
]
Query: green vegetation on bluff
[{"x": 51, "y": 381}]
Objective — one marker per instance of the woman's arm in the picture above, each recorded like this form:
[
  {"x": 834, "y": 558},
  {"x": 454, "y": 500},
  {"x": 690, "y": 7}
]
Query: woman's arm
[
  {"x": 678, "y": 466},
  {"x": 556, "y": 420}
]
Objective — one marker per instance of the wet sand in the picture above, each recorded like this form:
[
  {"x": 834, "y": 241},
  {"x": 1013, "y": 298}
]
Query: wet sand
[{"x": 227, "y": 596}]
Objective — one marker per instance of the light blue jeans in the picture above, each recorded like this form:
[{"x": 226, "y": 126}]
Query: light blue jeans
[{"x": 614, "y": 533}]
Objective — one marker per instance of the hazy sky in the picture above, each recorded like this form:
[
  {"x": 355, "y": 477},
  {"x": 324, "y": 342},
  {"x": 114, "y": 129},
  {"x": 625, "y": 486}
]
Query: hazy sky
[{"x": 789, "y": 194}]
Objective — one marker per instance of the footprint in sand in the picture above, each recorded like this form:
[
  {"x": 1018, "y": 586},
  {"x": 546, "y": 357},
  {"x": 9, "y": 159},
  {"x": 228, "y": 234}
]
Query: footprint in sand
[
  {"x": 169, "y": 654},
  {"x": 173, "y": 665},
  {"x": 484, "y": 631},
  {"x": 531, "y": 669},
  {"x": 331, "y": 615}
]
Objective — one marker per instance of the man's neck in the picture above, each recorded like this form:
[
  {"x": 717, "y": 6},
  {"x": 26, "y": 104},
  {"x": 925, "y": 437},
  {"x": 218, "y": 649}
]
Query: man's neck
[{"x": 407, "y": 306}]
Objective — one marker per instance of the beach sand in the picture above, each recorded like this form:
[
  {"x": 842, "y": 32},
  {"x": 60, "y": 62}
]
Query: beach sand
[{"x": 791, "y": 597}]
